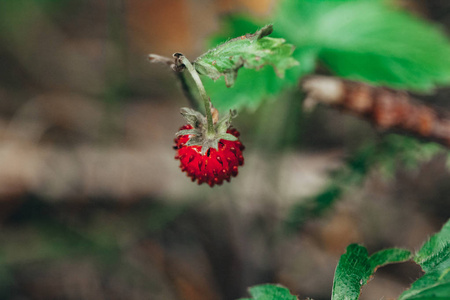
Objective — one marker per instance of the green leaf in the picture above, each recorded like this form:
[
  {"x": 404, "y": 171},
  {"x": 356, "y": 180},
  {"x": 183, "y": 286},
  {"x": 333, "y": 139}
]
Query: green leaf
[
  {"x": 435, "y": 253},
  {"x": 369, "y": 41},
  {"x": 355, "y": 268},
  {"x": 251, "y": 51},
  {"x": 254, "y": 86},
  {"x": 270, "y": 292},
  {"x": 352, "y": 272},
  {"x": 388, "y": 256},
  {"x": 434, "y": 258},
  {"x": 365, "y": 40}
]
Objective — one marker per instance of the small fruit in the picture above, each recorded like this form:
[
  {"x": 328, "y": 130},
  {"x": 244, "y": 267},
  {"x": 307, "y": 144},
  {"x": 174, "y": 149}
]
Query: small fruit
[
  {"x": 216, "y": 165},
  {"x": 208, "y": 152}
]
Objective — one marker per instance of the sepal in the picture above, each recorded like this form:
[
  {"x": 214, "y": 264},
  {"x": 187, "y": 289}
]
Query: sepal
[
  {"x": 195, "y": 141},
  {"x": 208, "y": 144},
  {"x": 198, "y": 135},
  {"x": 227, "y": 137},
  {"x": 188, "y": 132},
  {"x": 193, "y": 117},
  {"x": 225, "y": 122}
]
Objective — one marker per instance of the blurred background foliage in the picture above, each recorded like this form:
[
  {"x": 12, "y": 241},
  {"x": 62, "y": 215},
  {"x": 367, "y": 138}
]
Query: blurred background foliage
[{"x": 93, "y": 205}]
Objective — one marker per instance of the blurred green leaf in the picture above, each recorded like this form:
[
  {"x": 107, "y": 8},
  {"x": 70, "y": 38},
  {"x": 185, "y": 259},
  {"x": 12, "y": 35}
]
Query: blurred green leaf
[
  {"x": 270, "y": 292},
  {"x": 358, "y": 39},
  {"x": 434, "y": 258},
  {"x": 251, "y": 51},
  {"x": 249, "y": 91},
  {"x": 368, "y": 41},
  {"x": 385, "y": 155},
  {"x": 355, "y": 268}
]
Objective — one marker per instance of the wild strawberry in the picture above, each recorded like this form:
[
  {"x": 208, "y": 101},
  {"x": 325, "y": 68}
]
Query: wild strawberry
[{"x": 210, "y": 159}]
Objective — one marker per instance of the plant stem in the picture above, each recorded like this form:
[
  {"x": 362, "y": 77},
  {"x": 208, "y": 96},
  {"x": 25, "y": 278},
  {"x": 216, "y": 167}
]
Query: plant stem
[
  {"x": 155, "y": 58},
  {"x": 202, "y": 92},
  {"x": 193, "y": 101}
]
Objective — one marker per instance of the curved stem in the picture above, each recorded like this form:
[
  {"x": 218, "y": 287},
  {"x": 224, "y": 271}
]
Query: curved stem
[
  {"x": 155, "y": 58},
  {"x": 194, "y": 102},
  {"x": 202, "y": 92}
]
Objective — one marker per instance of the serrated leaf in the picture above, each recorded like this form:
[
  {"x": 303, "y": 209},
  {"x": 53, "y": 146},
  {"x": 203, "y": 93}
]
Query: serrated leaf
[
  {"x": 369, "y": 41},
  {"x": 254, "y": 86},
  {"x": 251, "y": 51},
  {"x": 351, "y": 273},
  {"x": 434, "y": 258},
  {"x": 435, "y": 252},
  {"x": 388, "y": 256},
  {"x": 355, "y": 268},
  {"x": 269, "y": 292}
]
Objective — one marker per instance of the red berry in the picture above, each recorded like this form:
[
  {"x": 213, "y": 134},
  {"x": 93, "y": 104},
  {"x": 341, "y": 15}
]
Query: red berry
[{"x": 214, "y": 166}]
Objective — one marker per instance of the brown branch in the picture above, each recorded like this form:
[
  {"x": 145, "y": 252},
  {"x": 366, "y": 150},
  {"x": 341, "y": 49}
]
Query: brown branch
[{"x": 385, "y": 108}]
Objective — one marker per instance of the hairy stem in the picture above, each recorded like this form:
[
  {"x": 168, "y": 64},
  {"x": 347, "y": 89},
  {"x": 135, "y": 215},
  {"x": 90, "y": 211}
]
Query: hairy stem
[
  {"x": 202, "y": 92},
  {"x": 193, "y": 101},
  {"x": 155, "y": 58}
]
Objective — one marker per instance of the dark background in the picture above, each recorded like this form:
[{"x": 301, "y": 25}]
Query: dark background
[{"x": 94, "y": 206}]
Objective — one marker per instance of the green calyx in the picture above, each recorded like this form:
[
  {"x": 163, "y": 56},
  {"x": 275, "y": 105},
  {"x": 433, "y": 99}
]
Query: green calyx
[{"x": 200, "y": 135}]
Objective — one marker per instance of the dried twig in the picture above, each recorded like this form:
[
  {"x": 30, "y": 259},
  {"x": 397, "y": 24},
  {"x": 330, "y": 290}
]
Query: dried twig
[{"x": 386, "y": 108}]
